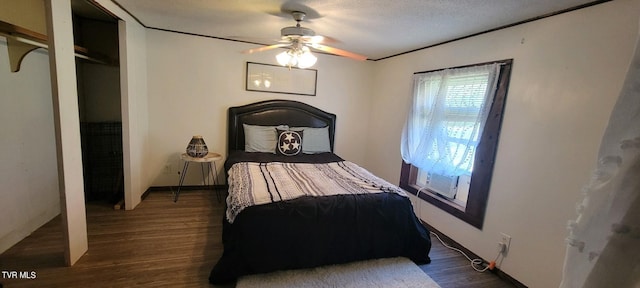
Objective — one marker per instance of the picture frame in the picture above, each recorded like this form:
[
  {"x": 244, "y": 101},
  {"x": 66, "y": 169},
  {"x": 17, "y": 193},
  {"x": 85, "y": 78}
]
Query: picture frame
[{"x": 279, "y": 79}]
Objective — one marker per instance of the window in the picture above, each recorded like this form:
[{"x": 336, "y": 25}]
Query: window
[{"x": 456, "y": 138}]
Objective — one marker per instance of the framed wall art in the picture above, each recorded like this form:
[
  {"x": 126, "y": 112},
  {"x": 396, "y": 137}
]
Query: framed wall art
[{"x": 279, "y": 79}]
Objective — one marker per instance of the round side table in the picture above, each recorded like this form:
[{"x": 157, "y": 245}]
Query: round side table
[{"x": 209, "y": 161}]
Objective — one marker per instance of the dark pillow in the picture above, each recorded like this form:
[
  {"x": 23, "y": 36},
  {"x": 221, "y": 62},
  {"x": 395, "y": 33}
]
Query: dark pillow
[{"x": 289, "y": 142}]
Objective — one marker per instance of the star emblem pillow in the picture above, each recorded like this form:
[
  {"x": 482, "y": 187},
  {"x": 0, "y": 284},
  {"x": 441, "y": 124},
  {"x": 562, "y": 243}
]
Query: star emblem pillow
[{"x": 289, "y": 142}]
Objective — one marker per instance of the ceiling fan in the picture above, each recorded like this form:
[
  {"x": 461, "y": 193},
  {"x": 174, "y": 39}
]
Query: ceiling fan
[{"x": 299, "y": 40}]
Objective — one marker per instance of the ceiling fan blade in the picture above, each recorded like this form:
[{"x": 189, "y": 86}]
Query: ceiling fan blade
[
  {"x": 339, "y": 52},
  {"x": 264, "y": 48},
  {"x": 251, "y": 40},
  {"x": 319, "y": 39}
]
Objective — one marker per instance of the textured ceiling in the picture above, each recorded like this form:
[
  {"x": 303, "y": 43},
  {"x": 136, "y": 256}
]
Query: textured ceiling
[{"x": 374, "y": 28}]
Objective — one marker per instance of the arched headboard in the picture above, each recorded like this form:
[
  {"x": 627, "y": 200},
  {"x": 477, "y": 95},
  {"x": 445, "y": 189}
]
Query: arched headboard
[{"x": 276, "y": 112}]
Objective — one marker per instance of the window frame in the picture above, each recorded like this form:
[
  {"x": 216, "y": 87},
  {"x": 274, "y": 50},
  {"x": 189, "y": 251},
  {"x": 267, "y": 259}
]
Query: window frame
[{"x": 484, "y": 159}]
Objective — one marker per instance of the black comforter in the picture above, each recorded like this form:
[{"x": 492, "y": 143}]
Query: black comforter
[{"x": 314, "y": 231}]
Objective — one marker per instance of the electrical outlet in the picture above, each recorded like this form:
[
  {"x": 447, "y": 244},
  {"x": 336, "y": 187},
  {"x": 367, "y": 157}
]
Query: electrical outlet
[
  {"x": 505, "y": 242},
  {"x": 501, "y": 247}
]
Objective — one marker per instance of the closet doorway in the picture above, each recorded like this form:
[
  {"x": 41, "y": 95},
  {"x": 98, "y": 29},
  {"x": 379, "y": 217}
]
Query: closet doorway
[{"x": 99, "y": 102}]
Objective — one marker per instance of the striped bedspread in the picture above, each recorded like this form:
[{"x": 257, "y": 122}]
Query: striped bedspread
[{"x": 262, "y": 183}]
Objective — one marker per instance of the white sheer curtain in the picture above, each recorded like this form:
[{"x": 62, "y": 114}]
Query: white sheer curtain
[
  {"x": 447, "y": 116},
  {"x": 604, "y": 241}
]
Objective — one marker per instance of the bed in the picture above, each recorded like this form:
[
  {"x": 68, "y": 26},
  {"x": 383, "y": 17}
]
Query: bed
[{"x": 289, "y": 224}]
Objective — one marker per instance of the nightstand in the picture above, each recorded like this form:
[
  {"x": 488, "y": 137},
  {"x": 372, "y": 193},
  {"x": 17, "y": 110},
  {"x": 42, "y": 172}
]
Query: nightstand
[{"x": 209, "y": 179}]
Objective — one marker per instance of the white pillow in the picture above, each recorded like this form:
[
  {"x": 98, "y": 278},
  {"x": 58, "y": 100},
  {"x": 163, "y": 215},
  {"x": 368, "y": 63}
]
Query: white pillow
[
  {"x": 261, "y": 138},
  {"x": 316, "y": 140}
]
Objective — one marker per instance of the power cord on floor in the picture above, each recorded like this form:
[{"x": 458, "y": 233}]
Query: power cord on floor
[{"x": 474, "y": 262}]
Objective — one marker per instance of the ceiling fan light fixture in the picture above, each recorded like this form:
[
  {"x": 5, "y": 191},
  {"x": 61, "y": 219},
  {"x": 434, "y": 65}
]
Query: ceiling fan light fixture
[
  {"x": 286, "y": 58},
  {"x": 306, "y": 59},
  {"x": 298, "y": 57},
  {"x": 299, "y": 39}
]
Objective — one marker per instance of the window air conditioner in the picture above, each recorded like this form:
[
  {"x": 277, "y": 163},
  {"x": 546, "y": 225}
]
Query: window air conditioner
[{"x": 443, "y": 185}]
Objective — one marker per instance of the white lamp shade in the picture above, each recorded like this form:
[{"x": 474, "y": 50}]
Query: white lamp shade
[
  {"x": 306, "y": 60},
  {"x": 301, "y": 58},
  {"x": 286, "y": 59}
]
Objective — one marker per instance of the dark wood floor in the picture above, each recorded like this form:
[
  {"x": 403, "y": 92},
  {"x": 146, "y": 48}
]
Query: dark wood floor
[{"x": 165, "y": 244}]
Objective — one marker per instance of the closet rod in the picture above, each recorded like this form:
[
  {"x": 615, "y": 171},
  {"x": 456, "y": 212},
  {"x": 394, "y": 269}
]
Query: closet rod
[{"x": 34, "y": 40}]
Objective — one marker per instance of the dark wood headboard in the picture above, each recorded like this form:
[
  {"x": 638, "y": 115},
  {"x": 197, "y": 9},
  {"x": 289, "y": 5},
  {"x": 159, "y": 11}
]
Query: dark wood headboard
[{"x": 276, "y": 112}]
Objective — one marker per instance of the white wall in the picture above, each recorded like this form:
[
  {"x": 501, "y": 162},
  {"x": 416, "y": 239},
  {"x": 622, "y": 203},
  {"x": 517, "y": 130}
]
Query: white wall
[
  {"x": 567, "y": 73},
  {"x": 135, "y": 115},
  {"x": 67, "y": 123},
  {"x": 193, "y": 80},
  {"x": 28, "y": 167}
]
